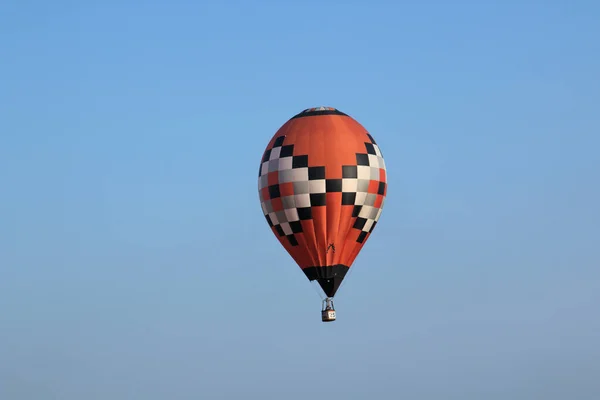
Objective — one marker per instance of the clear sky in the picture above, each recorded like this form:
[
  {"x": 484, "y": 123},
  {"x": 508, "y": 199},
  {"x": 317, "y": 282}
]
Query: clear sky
[{"x": 135, "y": 262}]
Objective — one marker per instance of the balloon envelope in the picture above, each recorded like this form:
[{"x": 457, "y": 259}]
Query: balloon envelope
[{"x": 322, "y": 184}]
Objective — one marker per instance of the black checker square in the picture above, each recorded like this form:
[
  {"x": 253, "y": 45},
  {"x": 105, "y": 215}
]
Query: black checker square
[
  {"x": 359, "y": 223},
  {"x": 286, "y": 151},
  {"x": 381, "y": 188},
  {"x": 266, "y": 155},
  {"x": 362, "y": 159},
  {"x": 304, "y": 213},
  {"x": 348, "y": 198},
  {"x": 279, "y": 230},
  {"x": 318, "y": 199},
  {"x": 279, "y": 141},
  {"x": 361, "y": 236},
  {"x": 292, "y": 239},
  {"x": 373, "y": 226},
  {"x": 300, "y": 161},
  {"x": 274, "y": 191},
  {"x": 333, "y": 185},
  {"x": 316, "y": 173},
  {"x": 370, "y": 149},
  {"x": 356, "y": 211},
  {"x": 349, "y": 171},
  {"x": 371, "y": 138},
  {"x": 269, "y": 220},
  {"x": 296, "y": 226}
]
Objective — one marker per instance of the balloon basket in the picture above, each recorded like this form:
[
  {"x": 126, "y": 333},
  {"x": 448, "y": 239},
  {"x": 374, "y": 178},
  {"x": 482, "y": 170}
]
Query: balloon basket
[{"x": 328, "y": 311}]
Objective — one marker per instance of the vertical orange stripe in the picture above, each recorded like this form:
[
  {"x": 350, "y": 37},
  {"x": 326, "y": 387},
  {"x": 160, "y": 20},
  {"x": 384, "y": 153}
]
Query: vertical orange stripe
[{"x": 320, "y": 218}]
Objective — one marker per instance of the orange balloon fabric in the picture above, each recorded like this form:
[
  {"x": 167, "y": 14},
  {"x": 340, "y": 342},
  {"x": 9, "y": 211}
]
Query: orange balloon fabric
[{"x": 322, "y": 186}]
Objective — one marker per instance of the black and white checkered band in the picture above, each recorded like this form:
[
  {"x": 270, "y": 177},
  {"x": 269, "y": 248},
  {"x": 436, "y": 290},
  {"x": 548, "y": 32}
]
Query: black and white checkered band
[{"x": 284, "y": 211}]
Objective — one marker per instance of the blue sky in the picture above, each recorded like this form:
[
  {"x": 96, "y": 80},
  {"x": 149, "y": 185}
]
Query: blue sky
[{"x": 134, "y": 258}]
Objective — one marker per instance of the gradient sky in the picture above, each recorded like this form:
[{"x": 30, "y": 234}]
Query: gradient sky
[{"x": 135, "y": 262}]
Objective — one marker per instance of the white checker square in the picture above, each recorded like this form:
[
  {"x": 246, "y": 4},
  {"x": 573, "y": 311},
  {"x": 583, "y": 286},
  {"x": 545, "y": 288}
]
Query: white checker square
[
  {"x": 264, "y": 169},
  {"x": 381, "y": 163},
  {"x": 368, "y": 225},
  {"x": 293, "y": 175},
  {"x": 363, "y": 185},
  {"x": 273, "y": 218},
  {"x": 287, "y": 229},
  {"x": 288, "y": 202},
  {"x": 373, "y": 160},
  {"x": 373, "y": 214},
  {"x": 280, "y": 216},
  {"x": 316, "y": 186},
  {"x": 301, "y": 187},
  {"x": 302, "y": 200},
  {"x": 370, "y": 199},
  {"x": 374, "y": 173},
  {"x": 285, "y": 163},
  {"x": 364, "y": 172},
  {"x": 299, "y": 174},
  {"x": 365, "y": 211},
  {"x": 360, "y": 198},
  {"x": 274, "y": 165},
  {"x": 275, "y": 153},
  {"x": 285, "y": 176},
  {"x": 349, "y": 184},
  {"x": 377, "y": 151},
  {"x": 264, "y": 181},
  {"x": 292, "y": 214},
  {"x": 269, "y": 206}
]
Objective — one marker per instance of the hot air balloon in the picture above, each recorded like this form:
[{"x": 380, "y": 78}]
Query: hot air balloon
[{"x": 322, "y": 184}]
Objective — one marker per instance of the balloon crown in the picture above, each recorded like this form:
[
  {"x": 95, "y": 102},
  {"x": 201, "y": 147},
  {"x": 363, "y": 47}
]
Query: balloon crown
[{"x": 323, "y": 110}]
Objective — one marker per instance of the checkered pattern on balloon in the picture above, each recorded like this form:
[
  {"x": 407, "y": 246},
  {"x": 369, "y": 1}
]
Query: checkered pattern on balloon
[{"x": 294, "y": 191}]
